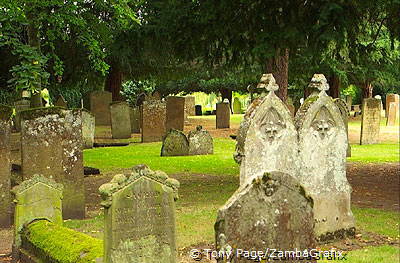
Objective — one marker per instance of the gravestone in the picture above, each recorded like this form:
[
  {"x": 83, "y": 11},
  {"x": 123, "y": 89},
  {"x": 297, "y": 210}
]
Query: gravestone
[
  {"x": 237, "y": 106},
  {"x": 272, "y": 211},
  {"x": 61, "y": 102},
  {"x": 349, "y": 102},
  {"x": 342, "y": 106},
  {"x": 153, "y": 120},
  {"x": 392, "y": 98},
  {"x": 135, "y": 119},
  {"x": 370, "y": 121},
  {"x": 200, "y": 142},
  {"x": 267, "y": 137},
  {"x": 175, "y": 113},
  {"x": 392, "y": 114},
  {"x": 20, "y": 105},
  {"x": 175, "y": 143},
  {"x": 199, "y": 110},
  {"x": 52, "y": 143},
  {"x": 120, "y": 120},
  {"x": 139, "y": 219},
  {"x": 223, "y": 115},
  {"x": 190, "y": 102},
  {"x": 88, "y": 129},
  {"x": 99, "y": 105},
  {"x": 356, "y": 109},
  {"x": 322, "y": 162},
  {"x": 5, "y": 166},
  {"x": 36, "y": 100},
  {"x": 36, "y": 198}
]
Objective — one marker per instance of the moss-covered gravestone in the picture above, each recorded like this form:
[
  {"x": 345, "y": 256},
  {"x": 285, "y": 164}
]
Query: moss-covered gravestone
[
  {"x": 120, "y": 120},
  {"x": 175, "y": 143},
  {"x": 200, "y": 142},
  {"x": 237, "y": 106},
  {"x": 51, "y": 145},
  {"x": 36, "y": 198},
  {"x": 140, "y": 217},
  {"x": 61, "y": 102},
  {"x": 5, "y": 166},
  {"x": 20, "y": 105}
]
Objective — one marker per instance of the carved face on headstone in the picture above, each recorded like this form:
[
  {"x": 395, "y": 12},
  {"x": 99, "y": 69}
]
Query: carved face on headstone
[
  {"x": 271, "y": 125},
  {"x": 323, "y": 123}
]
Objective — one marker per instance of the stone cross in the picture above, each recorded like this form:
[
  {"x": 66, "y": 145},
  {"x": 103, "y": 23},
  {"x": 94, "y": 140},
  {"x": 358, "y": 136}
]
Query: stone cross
[
  {"x": 319, "y": 81},
  {"x": 268, "y": 82}
]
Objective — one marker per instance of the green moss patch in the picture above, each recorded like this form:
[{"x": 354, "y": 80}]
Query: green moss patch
[
  {"x": 5, "y": 112},
  {"x": 34, "y": 113}
]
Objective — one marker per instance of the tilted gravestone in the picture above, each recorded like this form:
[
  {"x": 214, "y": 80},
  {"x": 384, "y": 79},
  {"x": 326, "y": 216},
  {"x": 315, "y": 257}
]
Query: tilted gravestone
[
  {"x": 345, "y": 113},
  {"x": 88, "y": 129},
  {"x": 140, "y": 217},
  {"x": 175, "y": 113},
  {"x": 20, "y": 105},
  {"x": 120, "y": 120},
  {"x": 175, "y": 143},
  {"x": 322, "y": 162},
  {"x": 5, "y": 166},
  {"x": 393, "y": 114},
  {"x": 272, "y": 211},
  {"x": 190, "y": 102},
  {"x": 153, "y": 120},
  {"x": 52, "y": 144},
  {"x": 200, "y": 142},
  {"x": 38, "y": 197},
  {"x": 389, "y": 99},
  {"x": 223, "y": 115},
  {"x": 99, "y": 105},
  {"x": 61, "y": 102},
  {"x": 370, "y": 121},
  {"x": 237, "y": 106},
  {"x": 135, "y": 119},
  {"x": 267, "y": 137}
]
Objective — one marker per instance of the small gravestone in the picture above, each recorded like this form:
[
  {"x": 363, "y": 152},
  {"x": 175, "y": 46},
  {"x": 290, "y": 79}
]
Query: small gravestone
[
  {"x": 175, "y": 113},
  {"x": 20, "y": 105},
  {"x": 153, "y": 120},
  {"x": 5, "y": 166},
  {"x": 349, "y": 102},
  {"x": 88, "y": 129},
  {"x": 389, "y": 99},
  {"x": 200, "y": 142},
  {"x": 392, "y": 114},
  {"x": 36, "y": 198},
  {"x": 272, "y": 211},
  {"x": 36, "y": 100},
  {"x": 139, "y": 213},
  {"x": 198, "y": 110},
  {"x": 190, "y": 102},
  {"x": 135, "y": 119},
  {"x": 223, "y": 115},
  {"x": 342, "y": 106},
  {"x": 61, "y": 102},
  {"x": 120, "y": 120},
  {"x": 237, "y": 106},
  {"x": 99, "y": 105},
  {"x": 370, "y": 121},
  {"x": 175, "y": 143}
]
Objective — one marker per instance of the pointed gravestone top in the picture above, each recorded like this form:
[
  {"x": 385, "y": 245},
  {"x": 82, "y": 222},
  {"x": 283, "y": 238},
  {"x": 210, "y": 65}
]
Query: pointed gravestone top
[
  {"x": 268, "y": 82},
  {"x": 319, "y": 81}
]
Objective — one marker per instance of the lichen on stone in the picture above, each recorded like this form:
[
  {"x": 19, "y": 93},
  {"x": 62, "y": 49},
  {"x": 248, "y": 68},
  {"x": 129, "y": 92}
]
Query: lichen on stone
[
  {"x": 34, "y": 180},
  {"x": 5, "y": 112},
  {"x": 34, "y": 113}
]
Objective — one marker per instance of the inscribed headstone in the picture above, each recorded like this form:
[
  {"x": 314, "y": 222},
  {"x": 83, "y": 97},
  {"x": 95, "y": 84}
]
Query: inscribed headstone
[
  {"x": 370, "y": 121},
  {"x": 175, "y": 143}
]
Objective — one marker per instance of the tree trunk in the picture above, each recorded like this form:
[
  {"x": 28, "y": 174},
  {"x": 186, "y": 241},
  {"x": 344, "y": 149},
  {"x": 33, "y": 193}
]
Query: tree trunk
[
  {"x": 114, "y": 83},
  {"x": 279, "y": 67},
  {"x": 367, "y": 89},
  {"x": 334, "y": 86},
  {"x": 227, "y": 94}
]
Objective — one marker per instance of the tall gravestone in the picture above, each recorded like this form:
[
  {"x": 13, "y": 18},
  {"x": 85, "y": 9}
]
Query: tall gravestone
[
  {"x": 139, "y": 213},
  {"x": 135, "y": 119},
  {"x": 99, "y": 105},
  {"x": 175, "y": 113},
  {"x": 52, "y": 144},
  {"x": 393, "y": 114},
  {"x": 272, "y": 211},
  {"x": 370, "y": 121},
  {"x": 237, "y": 106},
  {"x": 175, "y": 143},
  {"x": 190, "y": 102},
  {"x": 20, "y": 105},
  {"x": 223, "y": 115},
  {"x": 153, "y": 120},
  {"x": 349, "y": 102},
  {"x": 61, "y": 102},
  {"x": 88, "y": 129},
  {"x": 322, "y": 162},
  {"x": 200, "y": 142},
  {"x": 5, "y": 166},
  {"x": 344, "y": 112},
  {"x": 120, "y": 120},
  {"x": 389, "y": 99}
]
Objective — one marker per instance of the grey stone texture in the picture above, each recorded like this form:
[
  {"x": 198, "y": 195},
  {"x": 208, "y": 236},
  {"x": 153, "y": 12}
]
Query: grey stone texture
[
  {"x": 20, "y": 105},
  {"x": 51, "y": 140},
  {"x": 88, "y": 129},
  {"x": 153, "y": 120},
  {"x": 61, "y": 102},
  {"x": 135, "y": 119},
  {"x": 349, "y": 102},
  {"x": 120, "y": 120},
  {"x": 270, "y": 212},
  {"x": 5, "y": 166},
  {"x": 237, "y": 106},
  {"x": 223, "y": 115},
  {"x": 175, "y": 113},
  {"x": 175, "y": 143},
  {"x": 99, "y": 105},
  {"x": 200, "y": 142},
  {"x": 393, "y": 114},
  {"x": 345, "y": 113},
  {"x": 389, "y": 99},
  {"x": 139, "y": 210},
  {"x": 370, "y": 121},
  {"x": 190, "y": 102}
]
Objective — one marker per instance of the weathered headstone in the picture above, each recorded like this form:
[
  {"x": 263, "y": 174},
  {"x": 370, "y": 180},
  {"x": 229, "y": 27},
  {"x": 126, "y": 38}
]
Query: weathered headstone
[
  {"x": 88, "y": 129},
  {"x": 99, "y": 105},
  {"x": 342, "y": 106},
  {"x": 349, "y": 102},
  {"x": 120, "y": 120},
  {"x": 20, "y": 105},
  {"x": 200, "y": 142},
  {"x": 140, "y": 217},
  {"x": 272, "y": 211},
  {"x": 135, "y": 119},
  {"x": 61, "y": 102},
  {"x": 175, "y": 143},
  {"x": 175, "y": 113},
  {"x": 190, "y": 102},
  {"x": 393, "y": 114},
  {"x": 153, "y": 120},
  {"x": 322, "y": 162},
  {"x": 199, "y": 110},
  {"x": 237, "y": 106},
  {"x": 267, "y": 138},
  {"x": 223, "y": 115},
  {"x": 38, "y": 197},
  {"x": 392, "y": 98},
  {"x": 36, "y": 100},
  {"x": 370, "y": 121},
  {"x": 52, "y": 144},
  {"x": 5, "y": 166}
]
